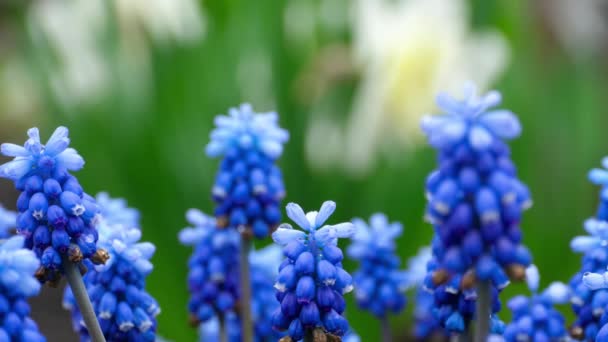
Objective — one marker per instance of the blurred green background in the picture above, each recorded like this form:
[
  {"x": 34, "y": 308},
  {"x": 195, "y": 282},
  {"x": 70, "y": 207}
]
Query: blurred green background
[{"x": 139, "y": 82}]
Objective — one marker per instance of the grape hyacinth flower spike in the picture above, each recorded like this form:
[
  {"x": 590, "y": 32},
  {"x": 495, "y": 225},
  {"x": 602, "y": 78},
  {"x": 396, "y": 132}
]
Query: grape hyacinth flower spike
[
  {"x": 213, "y": 268},
  {"x": 475, "y": 200},
  {"x": 589, "y": 305},
  {"x": 311, "y": 281},
  {"x": 17, "y": 283},
  {"x": 117, "y": 289},
  {"x": 264, "y": 265},
  {"x": 597, "y": 281},
  {"x": 8, "y": 222},
  {"x": 249, "y": 186},
  {"x": 379, "y": 284},
  {"x": 56, "y": 217},
  {"x": 425, "y": 323},
  {"x": 535, "y": 318}
]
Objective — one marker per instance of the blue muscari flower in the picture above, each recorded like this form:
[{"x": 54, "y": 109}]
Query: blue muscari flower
[
  {"x": 535, "y": 318},
  {"x": 475, "y": 200},
  {"x": 248, "y": 186},
  {"x": 264, "y": 264},
  {"x": 17, "y": 283},
  {"x": 311, "y": 281},
  {"x": 453, "y": 303},
  {"x": 426, "y": 324},
  {"x": 589, "y": 304},
  {"x": 379, "y": 284},
  {"x": 8, "y": 221},
  {"x": 126, "y": 311},
  {"x": 213, "y": 267},
  {"x": 56, "y": 217},
  {"x": 116, "y": 211},
  {"x": 598, "y": 283}
]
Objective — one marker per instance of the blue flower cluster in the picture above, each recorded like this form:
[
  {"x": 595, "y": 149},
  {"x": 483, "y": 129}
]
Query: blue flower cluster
[
  {"x": 264, "y": 264},
  {"x": 8, "y": 221},
  {"x": 17, "y": 283},
  {"x": 535, "y": 318},
  {"x": 311, "y": 281},
  {"x": 475, "y": 201},
  {"x": 249, "y": 186},
  {"x": 426, "y": 325},
  {"x": 590, "y": 305},
  {"x": 599, "y": 283},
  {"x": 126, "y": 312},
  {"x": 379, "y": 284},
  {"x": 115, "y": 211},
  {"x": 56, "y": 216},
  {"x": 213, "y": 267},
  {"x": 454, "y": 300}
]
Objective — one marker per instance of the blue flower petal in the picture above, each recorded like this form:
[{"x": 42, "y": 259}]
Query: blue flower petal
[
  {"x": 581, "y": 244},
  {"x": 285, "y": 234},
  {"x": 532, "y": 278},
  {"x": 16, "y": 169},
  {"x": 479, "y": 138},
  {"x": 297, "y": 215},
  {"x": 12, "y": 150},
  {"x": 595, "y": 281},
  {"x": 502, "y": 123},
  {"x": 327, "y": 208}
]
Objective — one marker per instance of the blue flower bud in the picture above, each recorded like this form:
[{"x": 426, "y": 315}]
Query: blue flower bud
[
  {"x": 287, "y": 279},
  {"x": 52, "y": 188},
  {"x": 289, "y": 305},
  {"x": 326, "y": 272},
  {"x": 71, "y": 203},
  {"x": 56, "y": 217},
  {"x": 305, "y": 263},
  {"x": 107, "y": 306},
  {"x": 309, "y": 315},
  {"x": 335, "y": 323},
  {"x": 305, "y": 290},
  {"x": 38, "y": 206},
  {"x": 333, "y": 254},
  {"x": 325, "y": 298},
  {"x": 124, "y": 317},
  {"x": 61, "y": 240},
  {"x": 293, "y": 249},
  {"x": 296, "y": 330}
]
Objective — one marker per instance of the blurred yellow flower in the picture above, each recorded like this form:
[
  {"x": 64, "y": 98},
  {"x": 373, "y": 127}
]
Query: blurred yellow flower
[{"x": 406, "y": 51}]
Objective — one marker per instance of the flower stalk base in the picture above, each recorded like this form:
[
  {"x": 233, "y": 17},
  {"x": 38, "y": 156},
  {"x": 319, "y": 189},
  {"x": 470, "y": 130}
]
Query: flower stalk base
[
  {"x": 484, "y": 303},
  {"x": 76, "y": 283}
]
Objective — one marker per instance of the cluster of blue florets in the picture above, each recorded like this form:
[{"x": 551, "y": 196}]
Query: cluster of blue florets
[
  {"x": 535, "y": 318},
  {"x": 454, "y": 301},
  {"x": 126, "y": 312},
  {"x": 311, "y": 281},
  {"x": 249, "y": 186},
  {"x": 56, "y": 216},
  {"x": 379, "y": 284},
  {"x": 213, "y": 278},
  {"x": 475, "y": 203},
  {"x": 590, "y": 305},
  {"x": 264, "y": 264},
  {"x": 17, "y": 283}
]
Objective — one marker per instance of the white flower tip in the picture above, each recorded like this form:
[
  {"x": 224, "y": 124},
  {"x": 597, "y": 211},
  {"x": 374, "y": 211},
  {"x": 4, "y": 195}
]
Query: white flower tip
[
  {"x": 532, "y": 277},
  {"x": 280, "y": 287}
]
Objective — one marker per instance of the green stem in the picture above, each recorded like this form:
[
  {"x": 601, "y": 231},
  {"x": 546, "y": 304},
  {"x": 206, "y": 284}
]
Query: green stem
[
  {"x": 386, "y": 330},
  {"x": 72, "y": 273},
  {"x": 484, "y": 304},
  {"x": 245, "y": 307}
]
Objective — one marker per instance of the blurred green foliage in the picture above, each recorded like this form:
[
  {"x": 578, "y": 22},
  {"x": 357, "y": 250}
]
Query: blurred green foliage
[{"x": 150, "y": 150}]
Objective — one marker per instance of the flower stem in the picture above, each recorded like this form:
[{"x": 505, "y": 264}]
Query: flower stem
[
  {"x": 223, "y": 335},
  {"x": 482, "y": 323},
  {"x": 386, "y": 330},
  {"x": 245, "y": 307},
  {"x": 74, "y": 277}
]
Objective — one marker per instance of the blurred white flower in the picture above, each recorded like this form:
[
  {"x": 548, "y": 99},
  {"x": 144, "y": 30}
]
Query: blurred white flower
[
  {"x": 70, "y": 34},
  {"x": 406, "y": 51}
]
